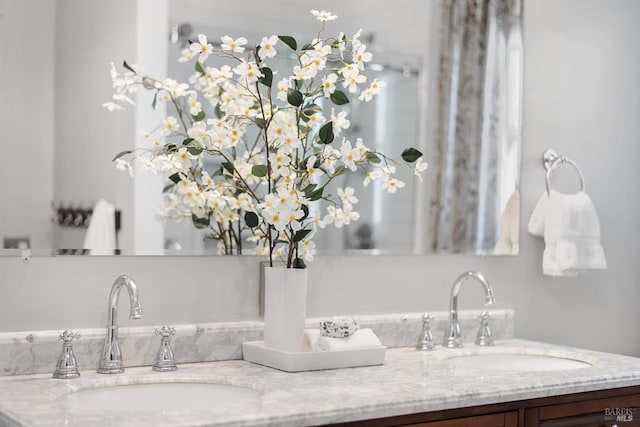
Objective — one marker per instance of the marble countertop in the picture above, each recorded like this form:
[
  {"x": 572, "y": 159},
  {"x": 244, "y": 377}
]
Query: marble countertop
[{"x": 410, "y": 381}]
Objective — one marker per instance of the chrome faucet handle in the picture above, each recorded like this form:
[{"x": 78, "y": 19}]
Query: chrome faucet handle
[
  {"x": 67, "y": 365},
  {"x": 425, "y": 342},
  {"x": 165, "y": 360},
  {"x": 484, "y": 332}
]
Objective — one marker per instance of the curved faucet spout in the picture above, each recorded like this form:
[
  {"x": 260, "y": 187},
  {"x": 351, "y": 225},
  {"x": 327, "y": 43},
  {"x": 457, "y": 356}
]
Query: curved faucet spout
[
  {"x": 454, "y": 338},
  {"x": 114, "y": 296},
  {"x": 111, "y": 358}
]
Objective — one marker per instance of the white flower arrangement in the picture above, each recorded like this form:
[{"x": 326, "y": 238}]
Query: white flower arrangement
[{"x": 277, "y": 144}]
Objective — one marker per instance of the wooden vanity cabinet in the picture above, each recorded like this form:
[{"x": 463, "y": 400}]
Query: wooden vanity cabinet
[{"x": 572, "y": 410}]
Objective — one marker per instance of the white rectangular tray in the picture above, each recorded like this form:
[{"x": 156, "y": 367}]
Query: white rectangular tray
[{"x": 256, "y": 352}]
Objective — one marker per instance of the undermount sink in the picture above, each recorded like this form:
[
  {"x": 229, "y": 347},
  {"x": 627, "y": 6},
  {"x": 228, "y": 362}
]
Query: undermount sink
[
  {"x": 182, "y": 397},
  {"x": 516, "y": 362}
]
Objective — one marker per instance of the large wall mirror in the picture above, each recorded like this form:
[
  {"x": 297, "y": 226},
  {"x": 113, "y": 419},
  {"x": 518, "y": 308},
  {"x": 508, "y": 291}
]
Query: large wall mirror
[{"x": 454, "y": 90}]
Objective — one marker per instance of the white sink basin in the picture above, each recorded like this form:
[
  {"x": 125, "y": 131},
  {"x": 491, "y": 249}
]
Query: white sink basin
[
  {"x": 515, "y": 362},
  {"x": 177, "y": 397}
]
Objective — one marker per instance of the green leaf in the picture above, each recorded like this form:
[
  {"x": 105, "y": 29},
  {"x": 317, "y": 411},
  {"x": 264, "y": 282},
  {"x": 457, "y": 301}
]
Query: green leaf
[
  {"x": 289, "y": 41},
  {"x": 315, "y": 195},
  {"x": 298, "y": 263},
  {"x": 200, "y": 68},
  {"x": 168, "y": 187},
  {"x": 200, "y": 223},
  {"x": 307, "y": 46},
  {"x": 251, "y": 219},
  {"x": 305, "y": 209},
  {"x": 340, "y": 170},
  {"x": 309, "y": 189},
  {"x": 373, "y": 157},
  {"x": 267, "y": 76},
  {"x": 120, "y": 154},
  {"x": 410, "y": 155},
  {"x": 128, "y": 67},
  {"x": 198, "y": 117},
  {"x": 228, "y": 167},
  {"x": 175, "y": 178},
  {"x": 155, "y": 100},
  {"x": 219, "y": 113},
  {"x": 294, "y": 97},
  {"x": 300, "y": 235},
  {"x": 259, "y": 170},
  {"x": 339, "y": 98},
  {"x": 195, "y": 151},
  {"x": 148, "y": 83},
  {"x": 261, "y": 123},
  {"x": 188, "y": 141},
  {"x": 326, "y": 133},
  {"x": 311, "y": 109}
]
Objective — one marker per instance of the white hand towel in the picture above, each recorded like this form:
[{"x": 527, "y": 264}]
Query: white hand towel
[
  {"x": 536, "y": 221},
  {"x": 101, "y": 234},
  {"x": 509, "y": 231},
  {"x": 362, "y": 338},
  {"x": 310, "y": 338},
  {"x": 571, "y": 230}
]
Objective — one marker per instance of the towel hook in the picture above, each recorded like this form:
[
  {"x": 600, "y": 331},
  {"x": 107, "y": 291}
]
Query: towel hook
[{"x": 551, "y": 160}]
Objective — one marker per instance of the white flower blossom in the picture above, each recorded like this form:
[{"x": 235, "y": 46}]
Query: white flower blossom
[
  {"x": 201, "y": 47},
  {"x": 186, "y": 55},
  {"x": 268, "y": 47},
  {"x": 348, "y": 197},
  {"x": 351, "y": 83},
  {"x": 360, "y": 56},
  {"x": 340, "y": 121},
  {"x": 195, "y": 107},
  {"x": 231, "y": 45},
  {"x": 392, "y": 185},
  {"x": 311, "y": 167},
  {"x": 248, "y": 71},
  {"x": 283, "y": 89},
  {"x": 340, "y": 217},
  {"x": 373, "y": 89},
  {"x": 329, "y": 84},
  {"x": 123, "y": 165},
  {"x": 323, "y": 15},
  {"x": 419, "y": 168},
  {"x": 349, "y": 156},
  {"x": 169, "y": 125},
  {"x": 371, "y": 176}
]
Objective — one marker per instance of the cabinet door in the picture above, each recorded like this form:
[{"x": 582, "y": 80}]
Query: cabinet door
[
  {"x": 506, "y": 419},
  {"x": 622, "y": 411}
]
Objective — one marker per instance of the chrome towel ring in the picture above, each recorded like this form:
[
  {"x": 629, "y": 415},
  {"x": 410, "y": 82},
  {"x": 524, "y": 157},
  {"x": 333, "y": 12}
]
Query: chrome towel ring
[{"x": 552, "y": 160}]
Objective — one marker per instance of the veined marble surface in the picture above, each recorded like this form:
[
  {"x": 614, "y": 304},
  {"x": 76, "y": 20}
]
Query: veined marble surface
[
  {"x": 410, "y": 381},
  {"x": 215, "y": 341}
]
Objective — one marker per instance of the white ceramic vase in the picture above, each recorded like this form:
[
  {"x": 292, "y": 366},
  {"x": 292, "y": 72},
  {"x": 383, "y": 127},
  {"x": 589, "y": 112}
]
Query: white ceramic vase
[{"x": 285, "y": 308}]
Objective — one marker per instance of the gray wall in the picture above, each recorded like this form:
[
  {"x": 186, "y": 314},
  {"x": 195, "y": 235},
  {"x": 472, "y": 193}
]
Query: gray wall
[{"x": 582, "y": 97}]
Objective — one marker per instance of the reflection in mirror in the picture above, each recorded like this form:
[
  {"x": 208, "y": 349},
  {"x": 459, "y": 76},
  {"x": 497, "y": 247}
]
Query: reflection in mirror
[
  {"x": 419, "y": 50},
  {"x": 476, "y": 201}
]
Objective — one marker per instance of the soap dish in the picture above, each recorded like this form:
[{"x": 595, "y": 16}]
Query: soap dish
[{"x": 256, "y": 352}]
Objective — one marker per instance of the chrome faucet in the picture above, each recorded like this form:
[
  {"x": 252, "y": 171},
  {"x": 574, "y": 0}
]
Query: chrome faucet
[
  {"x": 454, "y": 339},
  {"x": 111, "y": 358}
]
